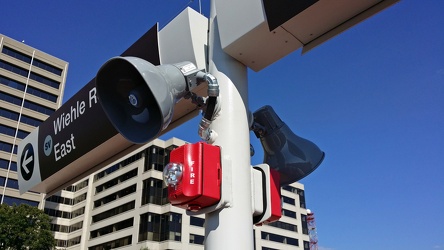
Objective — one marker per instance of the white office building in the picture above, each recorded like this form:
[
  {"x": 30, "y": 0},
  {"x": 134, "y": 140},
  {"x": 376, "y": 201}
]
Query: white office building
[{"x": 31, "y": 88}]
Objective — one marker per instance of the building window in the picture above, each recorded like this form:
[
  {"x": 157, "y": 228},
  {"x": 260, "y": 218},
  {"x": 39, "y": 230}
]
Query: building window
[
  {"x": 304, "y": 224},
  {"x": 47, "y": 67},
  {"x": 114, "y": 211},
  {"x": 30, "y": 90},
  {"x": 112, "y": 228},
  {"x": 279, "y": 238},
  {"x": 77, "y": 187},
  {"x": 61, "y": 243},
  {"x": 116, "y": 181},
  {"x": 76, "y": 226},
  {"x": 4, "y": 146},
  {"x": 18, "y": 55},
  {"x": 5, "y": 165},
  {"x": 301, "y": 194},
  {"x": 78, "y": 212},
  {"x": 14, "y": 116},
  {"x": 74, "y": 241},
  {"x": 284, "y": 225},
  {"x": 154, "y": 192},
  {"x": 160, "y": 227},
  {"x": 79, "y": 198},
  {"x": 27, "y": 104},
  {"x": 196, "y": 221},
  {"x": 6, "y": 130},
  {"x": 12, "y": 200},
  {"x": 113, "y": 244},
  {"x": 306, "y": 245},
  {"x": 288, "y": 213},
  {"x": 27, "y": 59},
  {"x": 115, "y": 196},
  {"x": 197, "y": 239},
  {"x": 117, "y": 166},
  {"x": 58, "y": 213},
  {"x": 156, "y": 158},
  {"x": 66, "y": 229},
  {"x": 288, "y": 200},
  {"x": 60, "y": 200},
  {"x": 23, "y": 72}
]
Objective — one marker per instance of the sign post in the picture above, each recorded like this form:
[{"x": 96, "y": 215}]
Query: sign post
[{"x": 231, "y": 228}]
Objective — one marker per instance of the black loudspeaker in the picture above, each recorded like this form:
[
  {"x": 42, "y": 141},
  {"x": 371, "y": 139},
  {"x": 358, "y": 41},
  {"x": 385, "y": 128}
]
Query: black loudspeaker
[
  {"x": 292, "y": 156},
  {"x": 138, "y": 97}
]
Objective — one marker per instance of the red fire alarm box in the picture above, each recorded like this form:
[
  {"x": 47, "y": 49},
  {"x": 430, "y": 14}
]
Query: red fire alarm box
[{"x": 193, "y": 176}]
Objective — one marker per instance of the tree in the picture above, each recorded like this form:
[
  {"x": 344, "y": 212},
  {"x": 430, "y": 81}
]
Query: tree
[{"x": 24, "y": 227}]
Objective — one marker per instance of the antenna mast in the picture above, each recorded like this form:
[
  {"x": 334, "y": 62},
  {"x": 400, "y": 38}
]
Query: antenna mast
[{"x": 312, "y": 234}]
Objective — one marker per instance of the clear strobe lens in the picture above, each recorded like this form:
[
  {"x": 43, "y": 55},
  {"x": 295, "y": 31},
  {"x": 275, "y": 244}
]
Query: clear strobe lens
[{"x": 172, "y": 174}]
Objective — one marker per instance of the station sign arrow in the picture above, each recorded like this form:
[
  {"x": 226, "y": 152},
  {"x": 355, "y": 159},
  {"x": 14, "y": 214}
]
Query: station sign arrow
[{"x": 27, "y": 162}]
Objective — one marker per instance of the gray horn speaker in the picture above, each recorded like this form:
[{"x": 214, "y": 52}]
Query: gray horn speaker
[
  {"x": 138, "y": 97},
  {"x": 292, "y": 156}
]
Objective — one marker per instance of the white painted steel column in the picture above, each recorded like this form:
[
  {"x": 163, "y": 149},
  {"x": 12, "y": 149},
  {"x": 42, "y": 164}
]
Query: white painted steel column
[{"x": 231, "y": 228}]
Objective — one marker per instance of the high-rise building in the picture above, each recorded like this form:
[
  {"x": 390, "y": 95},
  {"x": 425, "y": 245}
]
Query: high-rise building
[
  {"x": 31, "y": 88},
  {"x": 125, "y": 206}
]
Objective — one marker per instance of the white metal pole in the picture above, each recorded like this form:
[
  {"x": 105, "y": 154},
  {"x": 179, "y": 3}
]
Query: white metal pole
[{"x": 231, "y": 228}]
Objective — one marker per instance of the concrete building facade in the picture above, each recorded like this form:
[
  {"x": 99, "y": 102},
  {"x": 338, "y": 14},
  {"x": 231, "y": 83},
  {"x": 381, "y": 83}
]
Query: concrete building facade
[
  {"x": 31, "y": 88},
  {"x": 125, "y": 206}
]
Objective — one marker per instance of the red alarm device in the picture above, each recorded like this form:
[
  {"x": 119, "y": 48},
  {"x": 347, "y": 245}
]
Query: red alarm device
[{"x": 193, "y": 176}]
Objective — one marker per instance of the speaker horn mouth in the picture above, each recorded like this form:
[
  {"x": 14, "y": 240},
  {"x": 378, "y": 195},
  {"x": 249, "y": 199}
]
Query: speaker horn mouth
[
  {"x": 142, "y": 117},
  {"x": 128, "y": 100}
]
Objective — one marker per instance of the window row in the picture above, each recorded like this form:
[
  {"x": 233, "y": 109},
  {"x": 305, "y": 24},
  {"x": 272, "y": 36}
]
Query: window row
[
  {"x": 154, "y": 191},
  {"x": 196, "y": 221},
  {"x": 77, "y": 187},
  {"x": 160, "y": 227},
  {"x": 112, "y": 228},
  {"x": 289, "y": 213},
  {"x": 66, "y": 229},
  {"x": 117, "y": 166},
  {"x": 7, "y": 147},
  {"x": 152, "y": 227},
  {"x": 304, "y": 224},
  {"x": 116, "y": 181},
  {"x": 114, "y": 211},
  {"x": 47, "y": 67},
  {"x": 197, "y": 239},
  {"x": 113, "y": 244},
  {"x": 27, "y": 104},
  {"x": 34, "y": 76},
  {"x": 299, "y": 192},
  {"x": 64, "y": 214},
  {"x": 279, "y": 238},
  {"x": 15, "y": 116},
  {"x": 288, "y": 200},
  {"x": 13, "y": 200},
  {"x": 10, "y": 183},
  {"x": 284, "y": 225},
  {"x": 65, "y": 200},
  {"x": 5, "y": 165},
  {"x": 155, "y": 158},
  {"x": 6, "y": 130},
  {"x": 30, "y": 90},
  {"x": 115, "y": 196},
  {"x": 68, "y": 243}
]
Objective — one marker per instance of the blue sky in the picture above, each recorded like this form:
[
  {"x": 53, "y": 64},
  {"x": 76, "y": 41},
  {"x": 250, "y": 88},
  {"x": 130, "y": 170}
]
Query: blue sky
[{"x": 372, "y": 98}]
